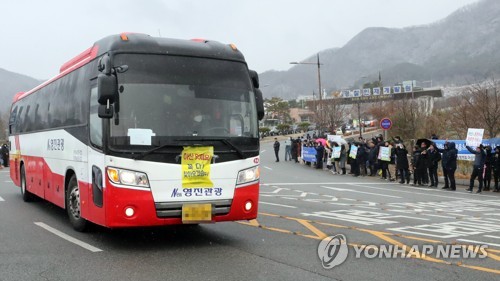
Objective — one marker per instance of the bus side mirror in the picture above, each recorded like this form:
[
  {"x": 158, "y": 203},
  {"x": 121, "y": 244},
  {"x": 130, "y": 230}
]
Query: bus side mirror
[
  {"x": 107, "y": 89},
  {"x": 255, "y": 78},
  {"x": 259, "y": 101},
  {"x": 105, "y": 111}
]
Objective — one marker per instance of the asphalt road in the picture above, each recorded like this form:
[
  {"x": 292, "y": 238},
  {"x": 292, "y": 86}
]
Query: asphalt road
[{"x": 299, "y": 206}]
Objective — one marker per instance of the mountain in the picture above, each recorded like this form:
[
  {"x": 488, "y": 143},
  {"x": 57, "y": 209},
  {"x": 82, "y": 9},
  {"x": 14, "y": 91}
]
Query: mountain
[
  {"x": 10, "y": 84},
  {"x": 459, "y": 49}
]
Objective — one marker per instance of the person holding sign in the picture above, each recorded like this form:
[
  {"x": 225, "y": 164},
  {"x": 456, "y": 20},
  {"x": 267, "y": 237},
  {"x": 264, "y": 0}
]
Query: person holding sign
[
  {"x": 477, "y": 168},
  {"x": 335, "y": 158},
  {"x": 384, "y": 157}
]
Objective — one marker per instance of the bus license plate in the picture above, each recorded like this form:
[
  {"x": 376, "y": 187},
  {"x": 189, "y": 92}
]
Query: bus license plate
[{"x": 195, "y": 213}]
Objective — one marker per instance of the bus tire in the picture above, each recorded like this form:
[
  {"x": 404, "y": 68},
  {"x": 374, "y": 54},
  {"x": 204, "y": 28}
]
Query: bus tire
[
  {"x": 26, "y": 195},
  {"x": 73, "y": 206}
]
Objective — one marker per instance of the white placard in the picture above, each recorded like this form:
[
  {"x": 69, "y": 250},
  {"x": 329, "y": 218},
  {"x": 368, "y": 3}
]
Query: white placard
[
  {"x": 474, "y": 137},
  {"x": 387, "y": 90},
  {"x": 376, "y": 91},
  {"x": 336, "y": 152}
]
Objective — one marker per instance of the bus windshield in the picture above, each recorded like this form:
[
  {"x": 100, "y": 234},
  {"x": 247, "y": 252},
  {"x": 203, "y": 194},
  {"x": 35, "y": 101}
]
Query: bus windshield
[{"x": 171, "y": 97}]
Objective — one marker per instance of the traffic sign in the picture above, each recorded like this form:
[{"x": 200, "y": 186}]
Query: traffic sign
[{"x": 385, "y": 123}]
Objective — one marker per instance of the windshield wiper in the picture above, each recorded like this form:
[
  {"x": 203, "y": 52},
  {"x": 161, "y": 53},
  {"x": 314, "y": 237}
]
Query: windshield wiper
[
  {"x": 140, "y": 156},
  {"x": 224, "y": 141}
]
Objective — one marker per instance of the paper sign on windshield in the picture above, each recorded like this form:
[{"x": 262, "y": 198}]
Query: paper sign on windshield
[{"x": 196, "y": 166}]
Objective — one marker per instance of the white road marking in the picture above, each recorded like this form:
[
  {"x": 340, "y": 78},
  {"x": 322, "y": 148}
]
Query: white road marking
[
  {"x": 414, "y": 211},
  {"x": 386, "y": 183},
  {"x": 492, "y": 236},
  {"x": 1, "y": 199},
  {"x": 478, "y": 242},
  {"x": 412, "y": 192},
  {"x": 357, "y": 191},
  {"x": 328, "y": 183},
  {"x": 267, "y": 168},
  {"x": 367, "y": 207},
  {"x": 280, "y": 205},
  {"x": 68, "y": 238}
]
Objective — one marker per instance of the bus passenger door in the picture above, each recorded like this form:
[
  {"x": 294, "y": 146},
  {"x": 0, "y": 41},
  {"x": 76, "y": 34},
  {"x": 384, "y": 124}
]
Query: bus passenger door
[{"x": 96, "y": 208}]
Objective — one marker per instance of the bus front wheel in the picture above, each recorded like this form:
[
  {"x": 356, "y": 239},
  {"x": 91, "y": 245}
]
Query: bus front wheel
[{"x": 73, "y": 206}]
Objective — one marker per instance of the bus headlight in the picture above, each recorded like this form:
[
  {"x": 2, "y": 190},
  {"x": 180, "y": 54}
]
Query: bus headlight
[
  {"x": 248, "y": 175},
  {"x": 127, "y": 177}
]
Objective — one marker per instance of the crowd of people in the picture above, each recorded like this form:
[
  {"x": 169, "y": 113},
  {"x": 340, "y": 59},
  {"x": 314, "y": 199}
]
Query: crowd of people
[{"x": 417, "y": 166}]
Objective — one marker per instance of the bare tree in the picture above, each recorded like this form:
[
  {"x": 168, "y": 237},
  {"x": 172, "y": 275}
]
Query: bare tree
[
  {"x": 333, "y": 113},
  {"x": 478, "y": 106},
  {"x": 4, "y": 119}
]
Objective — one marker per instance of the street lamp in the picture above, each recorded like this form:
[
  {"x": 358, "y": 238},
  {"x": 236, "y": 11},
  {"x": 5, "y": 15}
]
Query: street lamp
[
  {"x": 359, "y": 109},
  {"x": 320, "y": 92}
]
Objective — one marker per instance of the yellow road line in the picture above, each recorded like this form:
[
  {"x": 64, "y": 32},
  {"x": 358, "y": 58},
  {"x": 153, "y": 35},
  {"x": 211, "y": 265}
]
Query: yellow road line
[
  {"x": 480, "y": 268},
  {"x": 319, "y": 233},
  {"x": 407, "y": 249}
]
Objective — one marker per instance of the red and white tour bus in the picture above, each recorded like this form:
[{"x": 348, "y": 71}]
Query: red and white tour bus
[{"x": 142, "y": 131}]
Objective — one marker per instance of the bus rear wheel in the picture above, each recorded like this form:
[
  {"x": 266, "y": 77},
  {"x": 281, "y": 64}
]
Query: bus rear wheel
[
  {"x": 73, "y": 206},
  {"x": 26, "y": 195}
]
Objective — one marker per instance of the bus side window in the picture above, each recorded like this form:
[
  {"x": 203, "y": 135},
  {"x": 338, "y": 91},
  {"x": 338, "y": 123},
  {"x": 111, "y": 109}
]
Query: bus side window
[
  {"x": 95, "y": 121},
  {"x": 19, "y": 120},
  {"x": 12, "y": 120}
]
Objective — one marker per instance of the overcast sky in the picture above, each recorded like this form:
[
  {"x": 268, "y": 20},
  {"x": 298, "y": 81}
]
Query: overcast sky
[{"x": 37, "y": 37}]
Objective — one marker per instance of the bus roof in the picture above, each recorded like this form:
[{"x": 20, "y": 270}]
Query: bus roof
[{"x": 145, "y": 44}]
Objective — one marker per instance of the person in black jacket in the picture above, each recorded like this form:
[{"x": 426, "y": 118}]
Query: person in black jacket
[
  {"x": 276, "y": 149},
  {"x": 434, "y": 158},
  {"x": 5, "y": 155},
  {"x": 449, "y": 164},
  {"x": 320, "y": 152},
  {"x": 402, "y": 163},
  {"x": 495, "y": 166},
  {"x": 487, "y": 168},
  {"x": 478, "y": 168},
  {"x": 361, "y": 159},
  {"x": 372, "y": 157},
  {"x": 419, "y": 165},
  {"x": 424, "y": 163}
]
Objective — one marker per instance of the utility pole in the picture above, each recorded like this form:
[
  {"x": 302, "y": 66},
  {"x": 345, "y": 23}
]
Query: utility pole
[{"x": 320, "y": 92}]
